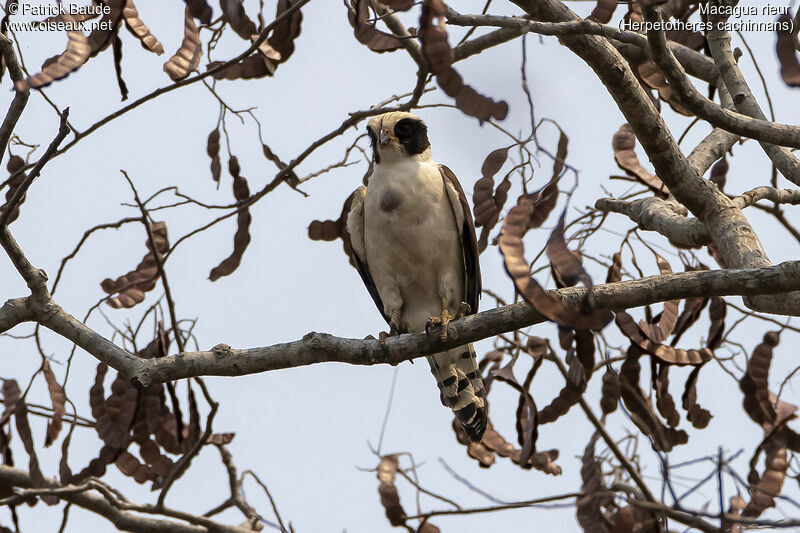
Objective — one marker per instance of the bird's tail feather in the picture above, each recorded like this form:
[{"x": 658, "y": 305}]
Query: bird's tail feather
[{"x": 461, "y": 387}]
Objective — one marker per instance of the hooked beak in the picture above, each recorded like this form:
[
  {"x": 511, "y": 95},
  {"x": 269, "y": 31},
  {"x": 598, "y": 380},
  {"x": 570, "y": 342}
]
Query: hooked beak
[{"x": 386, "y": 137}]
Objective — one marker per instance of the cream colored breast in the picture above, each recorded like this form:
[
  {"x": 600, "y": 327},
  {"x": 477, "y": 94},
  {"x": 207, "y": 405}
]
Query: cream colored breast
[{"x": 405, "y": 192}]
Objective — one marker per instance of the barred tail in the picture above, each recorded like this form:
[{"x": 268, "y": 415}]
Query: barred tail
[{"x": 461, "y": 387}]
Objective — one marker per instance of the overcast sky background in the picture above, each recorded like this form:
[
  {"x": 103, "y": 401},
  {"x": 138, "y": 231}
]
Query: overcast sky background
[{"x": 305, "y": 431}]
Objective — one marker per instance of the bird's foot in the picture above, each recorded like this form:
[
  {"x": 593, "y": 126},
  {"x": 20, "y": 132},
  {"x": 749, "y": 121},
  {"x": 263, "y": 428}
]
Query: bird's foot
[
  {"x": 393, "y": 331},
  {"x": 439, "y": 321},
  {"x": 463, "y": 310}
]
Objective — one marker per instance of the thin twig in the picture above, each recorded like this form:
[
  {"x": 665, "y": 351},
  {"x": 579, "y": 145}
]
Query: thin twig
[
  {"x": 262, "y": 36},
  {"x": 269, "y": 496},
  {"x": 388, "y": 409},
  {"x": 159, "y": 264},
  {"x": 183, "y": 463},
  {"x": 20, "y": 98},
  {"x": 20, "y": 191},
  {"x": 513, "y": 505},
  {"x": 605, "y": 436}
]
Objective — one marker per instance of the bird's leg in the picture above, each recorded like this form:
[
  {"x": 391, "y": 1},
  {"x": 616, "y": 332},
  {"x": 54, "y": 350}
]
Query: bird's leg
[
  {"x": 442, "y": 320},
  {"x": 394, "y": 326},
  {"x": 463, "y": 310}
]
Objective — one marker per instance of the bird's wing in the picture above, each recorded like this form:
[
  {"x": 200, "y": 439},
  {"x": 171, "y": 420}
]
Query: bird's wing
[
  {"x": 357, "y": 249},
  {"x": 469, "y": 242}
]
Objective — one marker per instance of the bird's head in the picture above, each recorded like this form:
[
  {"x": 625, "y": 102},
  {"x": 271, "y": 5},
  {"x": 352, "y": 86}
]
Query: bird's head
[{"x": 398, "y": 135}]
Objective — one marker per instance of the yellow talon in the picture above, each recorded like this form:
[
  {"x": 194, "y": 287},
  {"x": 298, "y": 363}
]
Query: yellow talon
[{"x": 442, "y": 320}]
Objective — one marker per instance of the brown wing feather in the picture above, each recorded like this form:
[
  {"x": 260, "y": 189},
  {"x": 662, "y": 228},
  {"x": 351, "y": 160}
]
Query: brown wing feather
[
  {"x": 366, "y": 277},
  {"x": 361, "y": 265},
  {"x": 469, "y": 245}
]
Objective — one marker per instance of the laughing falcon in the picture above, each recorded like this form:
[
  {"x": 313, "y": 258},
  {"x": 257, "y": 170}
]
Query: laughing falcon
[{"x": 413, "y": 243}]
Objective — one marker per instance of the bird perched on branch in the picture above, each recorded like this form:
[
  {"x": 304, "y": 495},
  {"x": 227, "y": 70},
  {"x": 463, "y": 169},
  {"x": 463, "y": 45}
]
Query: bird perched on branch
[{"x": 413, "y": 243}]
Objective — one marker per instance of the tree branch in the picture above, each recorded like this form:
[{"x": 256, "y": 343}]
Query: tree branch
[
  {"x": 506, "y": 506},
  {"x": 15, "y": 311},
  {"x": 512, "y": 27},
  {"x": 186, "y": 459},
  {"x": 719, "y": 42},
  {"x": 407, "y": 40},
  {"x": 35, "y": 279},
  {"x": 112, "y": 509},
  {"x": 162, "y": 273},
  {"x": 662, "y": 216},
  {"x": 234, "y": 485},
  {"x": 684, "y": 517},
  {"x": 693, "y": 518},
  {"x": 20, "y": 98},
  {"x": 778, "y": 196},
  {"x": 689, "y": 96},
  {"x": 262, "y": 36},
  {"x": 321, "y": 347},
  {"x": 56, "y": 319},
  {"x": 483, "y": 42},
  {"x": 711, "y": 148},
  {"x": 729, "y": 229},
  {"x": 601, "y": 429},
  {"x": 668, "y": 218},
  {"x": 20, "y": 191}
]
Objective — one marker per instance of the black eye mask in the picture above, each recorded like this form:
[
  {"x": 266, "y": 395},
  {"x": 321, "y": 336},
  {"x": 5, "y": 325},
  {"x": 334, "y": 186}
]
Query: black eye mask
[{"x": 413, "y": 135}]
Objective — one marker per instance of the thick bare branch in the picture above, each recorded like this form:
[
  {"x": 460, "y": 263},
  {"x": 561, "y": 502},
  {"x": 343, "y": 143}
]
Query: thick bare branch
[
  {"x": 668, "y": 218},
  {"x": 483, "y": 42},
  {"x": 689, "y": 96},
  {"x": 779, "y": 196},
  {"x": 694, "y": 63},
  {"x": 35, "y": 279},
  {"x": 719, "y": 42},
  {"x": 696, "y": 213},
  {"x": 711, "y": 148},
  {"x": 662, "y": 216},
  {"x": 54, "y": 318},
  {"x": 729, "y": 229},
  {"x": 15, "y": 311},
  {"x": 633, "y": 43},
  {"x": 320, "y": 347}
]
